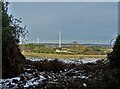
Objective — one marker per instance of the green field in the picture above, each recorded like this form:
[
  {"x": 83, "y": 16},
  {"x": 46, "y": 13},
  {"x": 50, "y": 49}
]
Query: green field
[
  {"x": 72, "y": 51},
  {"x": 76, "y": 50}
]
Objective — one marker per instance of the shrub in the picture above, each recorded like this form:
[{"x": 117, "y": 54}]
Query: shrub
[
  {"x": 53, "y": 65},
  {"x": 12, "y": 59},
  {"x": 114, "y": 56}
]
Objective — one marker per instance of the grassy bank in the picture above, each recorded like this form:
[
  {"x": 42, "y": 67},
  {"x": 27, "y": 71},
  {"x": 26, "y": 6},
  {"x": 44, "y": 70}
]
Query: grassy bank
[{"x": 65, "y": 56}]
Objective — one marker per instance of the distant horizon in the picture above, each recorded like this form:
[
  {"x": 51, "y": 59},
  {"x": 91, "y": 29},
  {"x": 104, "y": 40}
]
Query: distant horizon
[
  {"x": 67, "y": 42},
  {"x": 63, "y": 43}
]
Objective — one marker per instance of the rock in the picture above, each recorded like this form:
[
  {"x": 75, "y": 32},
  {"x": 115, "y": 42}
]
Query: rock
[
  {"x": 12, "y": 85},
  {"x": 36, "y": 74},
  {"x": 15, "y": 81},
  {"x": 23, "y": 78}
]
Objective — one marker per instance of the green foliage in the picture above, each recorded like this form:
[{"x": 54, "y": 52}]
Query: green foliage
[
  {"x": 11, "y": 26},
  {"x": 72, "y": 49},
  {"x": 38, "y": 48},
  {"x": 12, "y": 59},
  {"x": 29, "y": 47},
  {"x": 44, "y": 51},
  {"x": 114, "y": 56}
]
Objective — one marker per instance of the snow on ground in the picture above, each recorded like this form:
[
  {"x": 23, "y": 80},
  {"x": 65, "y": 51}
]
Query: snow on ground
[
  {"x": 80, "y": 61},
  {"x": 34, "y": 81},
  {"x": 38, "y": 59},
  {"x": 7, "y": 82},
  {"x": 11, "y": 84},
  {"x": 75, "y": 61},
  {"x": 31, "y": 80}
]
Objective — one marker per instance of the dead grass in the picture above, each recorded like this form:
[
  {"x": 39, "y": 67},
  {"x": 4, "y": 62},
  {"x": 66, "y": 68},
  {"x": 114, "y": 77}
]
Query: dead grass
[{"x": 64, "y": 56}]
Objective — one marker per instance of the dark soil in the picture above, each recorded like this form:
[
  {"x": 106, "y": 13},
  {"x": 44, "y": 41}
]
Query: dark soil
[{"x": 59, "y": 75}]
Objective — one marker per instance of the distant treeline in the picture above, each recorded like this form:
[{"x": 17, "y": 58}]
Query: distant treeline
[{"x": 72, "y": 49}]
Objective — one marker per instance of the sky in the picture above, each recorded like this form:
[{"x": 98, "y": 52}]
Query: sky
[{"x": 85, "y": 22}]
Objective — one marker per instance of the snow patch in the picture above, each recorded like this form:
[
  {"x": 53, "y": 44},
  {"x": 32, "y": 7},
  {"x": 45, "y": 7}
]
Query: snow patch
[
  {"x": 84, "y": 84},
  {"x": 68, "y": 61},
  {"x": 34, "y": 81}
]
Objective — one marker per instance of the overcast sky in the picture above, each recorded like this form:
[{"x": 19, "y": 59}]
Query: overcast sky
[{"x": 89, "y": 22}]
